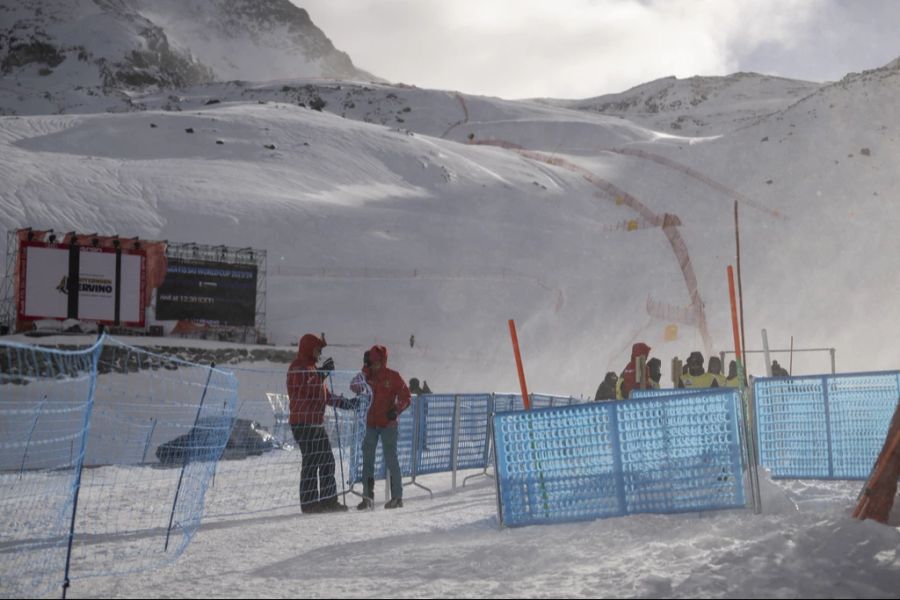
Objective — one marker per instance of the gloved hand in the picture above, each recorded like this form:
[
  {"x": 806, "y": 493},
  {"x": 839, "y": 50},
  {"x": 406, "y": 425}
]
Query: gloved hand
[
  {"x": 328, "y": 365},
  {"x": 392, "y": 414},
  {"x": 346, "y": 403}
]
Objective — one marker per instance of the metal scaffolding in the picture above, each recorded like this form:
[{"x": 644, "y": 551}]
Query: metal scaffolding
[{"x": 7, "y": 286}]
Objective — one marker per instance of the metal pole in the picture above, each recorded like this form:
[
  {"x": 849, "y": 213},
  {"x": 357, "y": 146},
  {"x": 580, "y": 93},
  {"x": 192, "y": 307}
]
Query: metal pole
[
  {"x": 337, "y": 429},
  {"x": 80, "y": 468},
  {"x": 184, "y": 462},
  {"x": 765, "y": 340},
  {"x": 831, "y": 351},
  {"x": 147, "y": 443},
  {"x": 418, "y": 414},
  {"x": 791, "y": 363},
  {"x": 37, "y": 415},
  {"x": 737, "y": 237},
  {"x": 497, "y": 475},
  {"x": 454, "y": 443}
]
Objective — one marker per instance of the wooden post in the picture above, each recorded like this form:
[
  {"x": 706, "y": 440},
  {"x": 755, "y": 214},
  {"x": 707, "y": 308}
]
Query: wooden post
[{"x": 521, "y": 369}]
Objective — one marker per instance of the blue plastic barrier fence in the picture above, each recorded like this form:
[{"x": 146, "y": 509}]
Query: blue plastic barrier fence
[
  {"x": 46, "y": 397},
  {"x": 824, "y": 426},
  {"x": 160, "y": 425},
  {"x": 677, "y": 454}
]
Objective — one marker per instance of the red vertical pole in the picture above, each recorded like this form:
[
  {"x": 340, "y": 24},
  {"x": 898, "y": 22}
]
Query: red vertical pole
[{"x": 515, "y": 344}]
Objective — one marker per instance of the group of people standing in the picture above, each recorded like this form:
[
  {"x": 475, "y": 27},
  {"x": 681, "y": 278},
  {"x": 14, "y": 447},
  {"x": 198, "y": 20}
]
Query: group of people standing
[
  {"x": 309, "y": 395},
  {"x": 645, "y": 373}
]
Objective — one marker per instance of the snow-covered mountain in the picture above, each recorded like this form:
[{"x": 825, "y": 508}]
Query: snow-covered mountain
[
  {"x": 390, "y": 211},
  {"x": 60, "y": 56},
  {"x": 699, "y": 105}
]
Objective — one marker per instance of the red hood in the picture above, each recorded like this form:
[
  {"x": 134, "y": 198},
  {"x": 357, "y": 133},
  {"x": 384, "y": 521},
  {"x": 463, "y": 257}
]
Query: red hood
[
  {"x": 308, "y": 344},
  {"x": 640, "y": 349},
  {"x": 378, "y": 353}
]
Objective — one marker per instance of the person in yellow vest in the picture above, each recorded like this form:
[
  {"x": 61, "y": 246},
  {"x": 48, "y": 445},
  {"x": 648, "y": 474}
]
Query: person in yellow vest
[
  {"x": 715, "y": 369},
  {"x": 696, "y": 377},
  {"x": 732, "y": 380}
]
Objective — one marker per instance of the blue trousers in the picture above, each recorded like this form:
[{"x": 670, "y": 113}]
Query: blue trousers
[{"x": 388, "y": 437}]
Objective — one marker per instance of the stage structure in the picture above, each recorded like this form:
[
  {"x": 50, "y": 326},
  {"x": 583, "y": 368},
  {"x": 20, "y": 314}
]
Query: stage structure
[
  {"x": 7, "y": 292},
  {"x": 87, "y": 278},
  {"x": 209, "y": 292}
]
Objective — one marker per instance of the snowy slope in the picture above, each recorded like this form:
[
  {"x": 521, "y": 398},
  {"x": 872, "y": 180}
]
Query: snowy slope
[
  {"x": 376, "y": 231},
  {"x": 699, "y": 105}
]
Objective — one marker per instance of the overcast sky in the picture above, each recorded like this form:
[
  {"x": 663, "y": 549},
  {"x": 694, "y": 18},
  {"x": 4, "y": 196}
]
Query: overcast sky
[{"x": 583, "y": 48}]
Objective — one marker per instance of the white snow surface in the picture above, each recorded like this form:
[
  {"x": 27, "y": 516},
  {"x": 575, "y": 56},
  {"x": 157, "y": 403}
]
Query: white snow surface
[{"x": 804, "y": 545}]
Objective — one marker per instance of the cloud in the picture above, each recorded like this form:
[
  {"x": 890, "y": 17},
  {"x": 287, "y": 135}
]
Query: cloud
[{"x": 571, "y": 48}]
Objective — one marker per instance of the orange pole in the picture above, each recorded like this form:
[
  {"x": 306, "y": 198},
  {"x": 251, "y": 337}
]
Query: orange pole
[
  {"x": 515, "y": 343},
  {"x": 734, "y": 318}
]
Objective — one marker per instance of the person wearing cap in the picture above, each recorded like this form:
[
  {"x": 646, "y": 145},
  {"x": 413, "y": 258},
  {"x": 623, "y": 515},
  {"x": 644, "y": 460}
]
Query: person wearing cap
[
  {"x": 696, "y": 377},
  {"x": 390, "y": 397},
  {"x": 359, "y": 384},
  {"x": 309, "y": 395}
]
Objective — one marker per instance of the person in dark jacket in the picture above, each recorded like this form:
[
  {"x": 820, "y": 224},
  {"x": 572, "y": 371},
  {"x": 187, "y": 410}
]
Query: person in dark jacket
[
  {"x": 309, "y": 395},
  {"x": 629, "y": 375},
  {"x": 607, "y": 389},
  {"x": 654, "y": 372},
  {"x": 390, "y": 397},
  {"x": 778, "y": 370}
]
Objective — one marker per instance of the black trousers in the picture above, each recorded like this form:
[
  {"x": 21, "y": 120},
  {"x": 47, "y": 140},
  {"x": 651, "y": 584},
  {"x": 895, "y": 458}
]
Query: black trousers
[{"x": 317, "y": 464}]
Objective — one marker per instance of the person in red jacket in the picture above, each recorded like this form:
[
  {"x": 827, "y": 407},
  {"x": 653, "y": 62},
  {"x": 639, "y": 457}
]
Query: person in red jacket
[
  {"x": 309, "y": 395},
  {"x": 390, "y": 397},
  {"x": 629, "y": 375}
]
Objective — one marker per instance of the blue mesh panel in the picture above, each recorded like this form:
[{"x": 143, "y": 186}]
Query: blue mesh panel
[
  {"x": 792, "y": 430},
  {"x": 473, "y": 426},
  {"x": 608, "y": 459},
  {"x": 636, "y": 394},
  {"x": 436, "y": 434},
  {"x": 860, "y": 410},
  {"x": 507, "y": 402},
  {"x": 681, "y": 453},
  {"x": 824, "y": 427}
]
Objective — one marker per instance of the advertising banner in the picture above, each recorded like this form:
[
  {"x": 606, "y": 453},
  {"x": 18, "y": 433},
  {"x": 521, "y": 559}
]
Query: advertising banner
[{"x": 109, "y": 287}]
